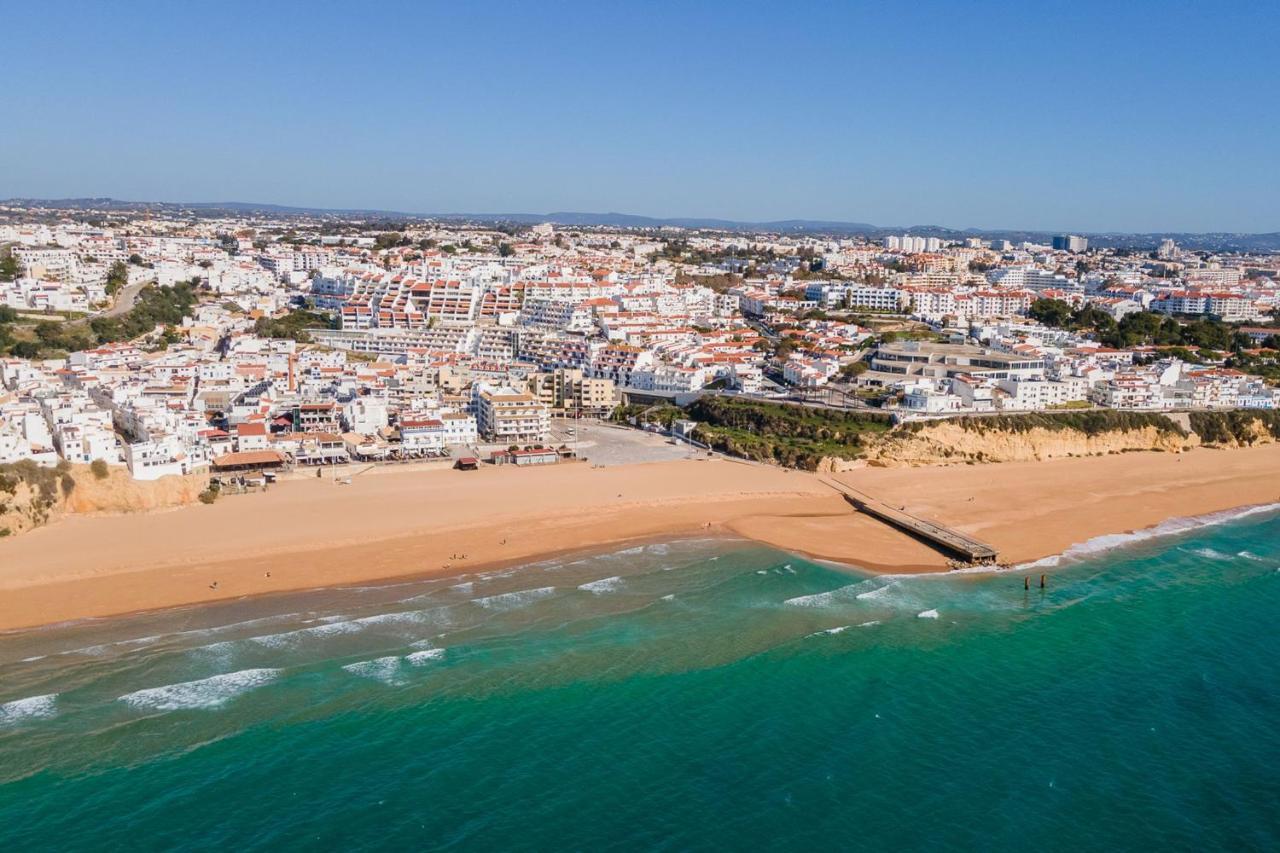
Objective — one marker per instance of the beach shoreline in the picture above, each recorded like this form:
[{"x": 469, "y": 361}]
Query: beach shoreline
[{"x": 311, "y": 534}]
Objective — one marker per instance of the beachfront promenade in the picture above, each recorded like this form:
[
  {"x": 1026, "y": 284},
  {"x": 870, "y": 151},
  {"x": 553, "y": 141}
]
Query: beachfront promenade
[{"x": 944, "y": 538}]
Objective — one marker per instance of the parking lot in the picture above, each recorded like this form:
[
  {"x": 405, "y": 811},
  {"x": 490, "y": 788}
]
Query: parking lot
[{"x": 606, "y": 444}]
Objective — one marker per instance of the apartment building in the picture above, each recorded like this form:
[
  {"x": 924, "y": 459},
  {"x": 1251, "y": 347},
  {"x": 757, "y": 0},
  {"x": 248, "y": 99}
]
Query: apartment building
[
  {"x": 570, "y": 389},
  {"x": 507, "y": 416}
]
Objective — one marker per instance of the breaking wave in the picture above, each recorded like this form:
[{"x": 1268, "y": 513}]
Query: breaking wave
[
  {"x": 338, "y": 625},
  {"x": 424, "y": 656},
  {"x": 204, "y": 693},
  {"x": 31, "y": 708},
  {"x": 513, "y": 600},
  {"x": 1209, "y": 553},
  {"x": 826, "y": 599},
  {"x": 603, "y": 585},
  {"x": 383, "y": 669},
  {"x": 1170, "y": 527}
]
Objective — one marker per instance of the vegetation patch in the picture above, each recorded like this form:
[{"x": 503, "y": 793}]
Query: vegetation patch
[
  {"x": 795, "y": 436},
  {"x": 296, "y": 325},
  {"x": 1091, "y": 423},
  {"x": 1240, "y": 426},
  {"x": 43, "y": 483}
]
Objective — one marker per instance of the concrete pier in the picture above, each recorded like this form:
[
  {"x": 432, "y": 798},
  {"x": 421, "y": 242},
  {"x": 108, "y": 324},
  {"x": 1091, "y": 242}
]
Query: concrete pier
[{"x": 943, "y": 538}]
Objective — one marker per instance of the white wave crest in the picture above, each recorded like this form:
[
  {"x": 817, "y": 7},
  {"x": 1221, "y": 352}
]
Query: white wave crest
[
  {"x": 204, "y": 693},
  {"x": 338, "y": 625},
  {"x": 830, "y": 597},
  {"x": 1249, "y": 555},
  {"x": 878, "y": 592},
  {"x": 603, "y": 585},
  {"x": 383, "y": 669},
  {"x": 1170, "y": 527},
  {"x": 840, "y": 629},
  {"x": 1209, "y": 553},
  {"x": 31, "y": 708},
  {"x": 928, "y": 614},
  {"x": 869, "y": 623},
  {"x": 424, "y": 656},
  {"x": 513, "y": 600}
]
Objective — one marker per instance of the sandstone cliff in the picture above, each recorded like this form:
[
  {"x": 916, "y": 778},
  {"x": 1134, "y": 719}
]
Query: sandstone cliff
[
  {"x": 30, "y": 497},
  {"x": 945, "y": 443}
]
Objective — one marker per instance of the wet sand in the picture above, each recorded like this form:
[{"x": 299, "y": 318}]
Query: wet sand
[{"x": 309, "y": 533}]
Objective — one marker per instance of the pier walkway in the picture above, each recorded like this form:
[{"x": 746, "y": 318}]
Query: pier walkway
[{"x": 944, "y": 538}]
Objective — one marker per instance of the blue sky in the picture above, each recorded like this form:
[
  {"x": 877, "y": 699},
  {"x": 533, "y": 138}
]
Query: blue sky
[{"x": 1075, "y": 116}]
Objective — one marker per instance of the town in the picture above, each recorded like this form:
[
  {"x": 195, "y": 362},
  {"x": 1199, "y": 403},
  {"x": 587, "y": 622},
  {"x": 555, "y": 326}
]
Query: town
[{"x": 173, "y": 342}]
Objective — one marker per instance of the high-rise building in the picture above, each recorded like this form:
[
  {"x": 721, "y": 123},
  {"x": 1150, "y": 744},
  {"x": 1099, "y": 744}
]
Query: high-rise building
[{"x": 1070, "y": 243}]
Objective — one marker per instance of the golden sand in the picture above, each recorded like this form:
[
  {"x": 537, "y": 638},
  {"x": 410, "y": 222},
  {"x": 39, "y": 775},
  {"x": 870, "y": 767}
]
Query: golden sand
[{"x": 310, "y": 533}]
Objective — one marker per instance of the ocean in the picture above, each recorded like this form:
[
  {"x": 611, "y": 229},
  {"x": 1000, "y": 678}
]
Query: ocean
[{"x": 692, "y": 695}]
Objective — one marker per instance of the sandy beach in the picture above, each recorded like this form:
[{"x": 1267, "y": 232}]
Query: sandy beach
[{"x": 309, "y": 533}]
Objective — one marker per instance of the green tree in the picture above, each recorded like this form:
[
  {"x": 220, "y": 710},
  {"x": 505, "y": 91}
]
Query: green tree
[
  {"x": 1051, "y": 312},
  {"x": 117, "y": 277},
  {"x": 8, "y": 267}
]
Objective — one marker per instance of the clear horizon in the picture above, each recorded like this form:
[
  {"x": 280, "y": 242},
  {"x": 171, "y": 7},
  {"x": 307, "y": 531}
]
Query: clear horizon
[
  {"x": 499, "y": 213},
  {"x": 993, "y": 116}
]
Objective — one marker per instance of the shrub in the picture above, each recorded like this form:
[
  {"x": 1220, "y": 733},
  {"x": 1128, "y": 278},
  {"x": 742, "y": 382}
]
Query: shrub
[
  {"x": 208, "y": 496},
  {"x": 1096, "y": 422},
  {"x": 1236, "y": 426},
  {"x": 100, "y": 469}
]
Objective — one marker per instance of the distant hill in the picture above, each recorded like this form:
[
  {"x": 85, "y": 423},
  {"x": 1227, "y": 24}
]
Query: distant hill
[{"x": 1214, "y": 242}]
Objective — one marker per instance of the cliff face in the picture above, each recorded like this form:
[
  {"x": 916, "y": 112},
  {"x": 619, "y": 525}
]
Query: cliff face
[
  {"x": 947, "y": 443},
  {"x": 75, "y": 489},
  {"x": 121, "y": 493},
  {"x": 953, "y": 442}
]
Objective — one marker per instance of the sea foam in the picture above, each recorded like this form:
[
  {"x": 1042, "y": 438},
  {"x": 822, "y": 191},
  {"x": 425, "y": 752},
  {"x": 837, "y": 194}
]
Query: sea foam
[
  {"x": 338, "y": 625},
  {"x": 204, "y": 693},
  {"x": 1170, "y": 527},
  {"x": 383, "y": 669},
  {"x": 839, "y": 629},
  {"x": 513, "y": 600},
  {"x": 424, "y": 656},
  {"x": 31, "y": 708},
  {"x": 1209, "y": 553},
  {"x": 830, "y": 597},
  {"x": 603, "y": 585}
]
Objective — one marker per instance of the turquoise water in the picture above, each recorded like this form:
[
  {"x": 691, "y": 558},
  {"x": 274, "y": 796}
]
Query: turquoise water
[{"x": 691, "y": 695}]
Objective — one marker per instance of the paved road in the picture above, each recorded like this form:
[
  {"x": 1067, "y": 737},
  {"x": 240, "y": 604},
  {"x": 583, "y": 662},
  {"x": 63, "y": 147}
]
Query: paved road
[{"x": 125, "y": 299}]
